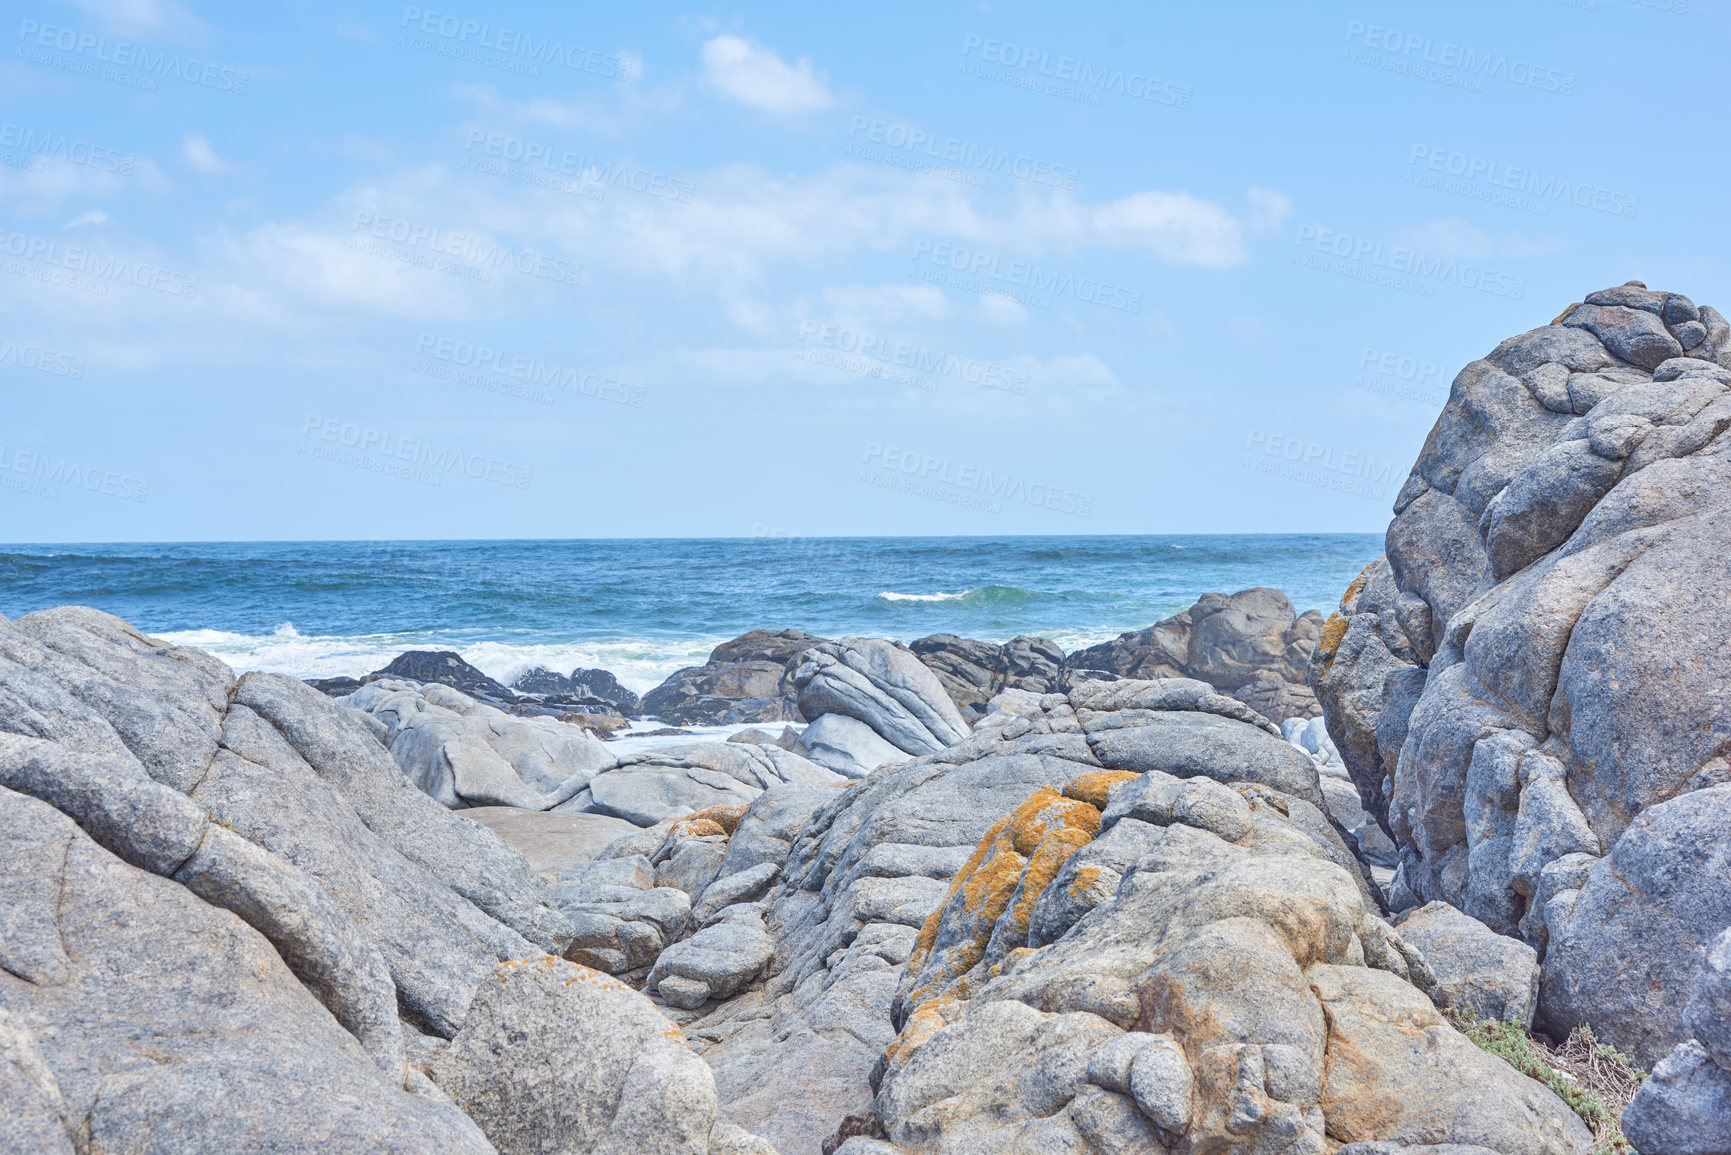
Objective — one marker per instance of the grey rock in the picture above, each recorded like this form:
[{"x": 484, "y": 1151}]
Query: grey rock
[
  {"x": 555, "y": 1057},
  {"x": 723, "y": 958},
  {"x": 743, "y": 681},
  {"x": 1188, "y": 744},
  {"x": 1162, "y": 1085},
  {"x": 646, "y": 793},
  {"x": 1684, "y": 1107},
  {"x": 1490, "y": 975},
  {"x": 1708, "y": 1013},
  {"x": 1636, "y": 335},
  {"x": 551, "y": 842},
  {"x": 1625, "y": 962},
  {"x": 846, "y": 745},
  {"x": 747, "y": 885},
  {"x": 169, "y": 1023},
  {"x": 1548, "y": 759},
  {"x": 447, "y": 668},
  {"x": 882, "y": 685},
  {"x": 1225, "y": 640}
]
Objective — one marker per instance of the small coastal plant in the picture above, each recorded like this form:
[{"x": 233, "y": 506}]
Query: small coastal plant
[{"x": 1595, "y": 1079}]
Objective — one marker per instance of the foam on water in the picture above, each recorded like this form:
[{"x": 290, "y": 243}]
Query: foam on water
[{"x": 639, "y": 664}]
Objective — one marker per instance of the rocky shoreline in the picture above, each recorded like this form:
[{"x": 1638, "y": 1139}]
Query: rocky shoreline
[{"x": 1243, "y": 881}]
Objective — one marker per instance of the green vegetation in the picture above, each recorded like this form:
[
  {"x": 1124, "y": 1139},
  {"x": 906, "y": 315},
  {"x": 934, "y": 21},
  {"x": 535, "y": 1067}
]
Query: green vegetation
[{"x": 1594, "y": 1079}]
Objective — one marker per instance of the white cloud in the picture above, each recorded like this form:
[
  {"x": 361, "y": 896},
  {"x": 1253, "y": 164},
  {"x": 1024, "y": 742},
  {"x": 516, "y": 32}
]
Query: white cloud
[
  {"x": 93, "y": 217},
  {"x": 198, "y": 153},
  {"x": 757, "y": 78}
]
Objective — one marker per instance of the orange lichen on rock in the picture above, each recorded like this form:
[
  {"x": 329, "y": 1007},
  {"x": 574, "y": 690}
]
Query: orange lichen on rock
[
  {"x": 1015, "y": 861},
  {"x": 926, "y": 1020},
  {"x": 1357, "y": 584},
  {"x": 710, "y": 820},
  {"x": 1092, "y": 788},
  {"x": 1333, "y": 630}
]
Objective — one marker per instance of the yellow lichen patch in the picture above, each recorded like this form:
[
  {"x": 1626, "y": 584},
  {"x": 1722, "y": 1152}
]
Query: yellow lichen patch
[
  {"x": 925, "y": 1021},
  {"x": 1043, "y": 866},
  {"x": 1333, "y": 630},
  {"x": 929, "y": 930},
  {"x": 1086, "y": 876},
  {"x": 1013, "y": 958},
  {"x": 1357, "y": 584},
  {"x": 1558, "y": 319},
  {"x": 1092, "y": 788},
  {"x": 726, "y": 817},
  {"x": 1045, "y": 808},
  {"x": 700, "y": 828},
  {"x": 1026, "y": 848}
]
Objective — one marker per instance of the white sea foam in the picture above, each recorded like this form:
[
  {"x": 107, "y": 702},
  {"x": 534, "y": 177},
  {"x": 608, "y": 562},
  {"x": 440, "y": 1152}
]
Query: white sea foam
[
  {"x": 889, "y": 596},
  {"x": 639, "y": 664}
]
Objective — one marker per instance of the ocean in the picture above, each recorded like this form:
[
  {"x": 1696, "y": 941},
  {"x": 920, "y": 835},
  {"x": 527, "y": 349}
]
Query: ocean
[{"x": 645, "y": 608}]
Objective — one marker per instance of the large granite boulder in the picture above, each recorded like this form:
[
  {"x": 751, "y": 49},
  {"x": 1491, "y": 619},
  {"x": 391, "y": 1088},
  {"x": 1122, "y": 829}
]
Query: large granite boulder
[
  {"x": 464, "y": 752},
  {"x": 1478, "y": 972},
  {"x": 742, "y": 682},
  {"x": 974, "y": 672},
  {"x": 1531, "y": 692},
  {"x": 644, "y": 789},
  {"x": 555, "y": 1057},
  {"x": 135, "y": 1015},
  {"x": 1030, "y": 939},
  {"x": 1252, "y": 644},
  {"x": 882, "y": 684},
  {"x": 232, "y": 923}
]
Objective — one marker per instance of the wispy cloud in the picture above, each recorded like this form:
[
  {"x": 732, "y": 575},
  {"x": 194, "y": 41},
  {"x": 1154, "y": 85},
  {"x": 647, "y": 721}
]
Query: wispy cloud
[
  {"x": 758, "y": 78},
  {"x": 200, "y": 156}
]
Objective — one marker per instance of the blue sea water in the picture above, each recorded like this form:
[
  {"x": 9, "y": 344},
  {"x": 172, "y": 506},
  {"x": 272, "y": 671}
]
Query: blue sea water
[{"x": 648, "y": 607}]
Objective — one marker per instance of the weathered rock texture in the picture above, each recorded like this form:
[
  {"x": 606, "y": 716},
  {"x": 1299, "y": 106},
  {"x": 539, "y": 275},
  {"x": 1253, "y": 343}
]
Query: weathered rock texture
[
  {"x": 1533, "y": 691},
  {"x": 221, "y": 894},
  {"x": 975, "y": 672},
  {"x": 464, "y": 752},
  {"x": 1251, "y": 644},
  {"x": 1119, "y": 920},
  {"x": 742, "y": 682}
]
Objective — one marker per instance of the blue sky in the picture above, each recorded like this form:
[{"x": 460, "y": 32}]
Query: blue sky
[{"x": 515, "y": 270}]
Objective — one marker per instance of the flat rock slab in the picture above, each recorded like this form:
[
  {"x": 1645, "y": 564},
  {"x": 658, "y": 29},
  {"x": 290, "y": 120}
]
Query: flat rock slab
[{"x": 552, "y": 841}]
